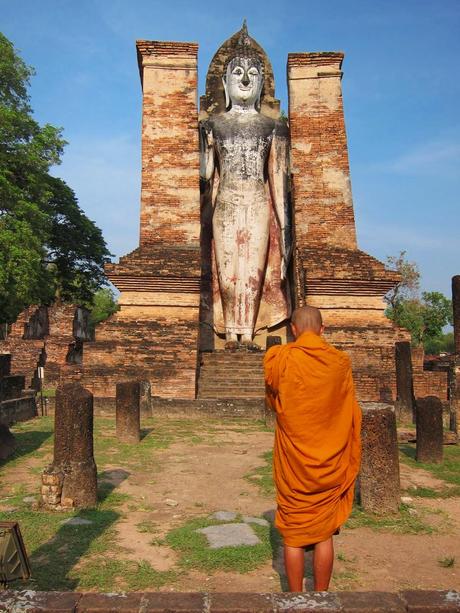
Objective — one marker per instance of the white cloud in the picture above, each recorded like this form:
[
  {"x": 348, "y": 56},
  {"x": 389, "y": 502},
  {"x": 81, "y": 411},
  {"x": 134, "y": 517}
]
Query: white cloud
[
  {"x": 401, "y": 237},
  {"x": 437, "y": 157}
]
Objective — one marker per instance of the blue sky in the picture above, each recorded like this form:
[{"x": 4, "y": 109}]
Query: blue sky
[{"x": 401, "y": 92}]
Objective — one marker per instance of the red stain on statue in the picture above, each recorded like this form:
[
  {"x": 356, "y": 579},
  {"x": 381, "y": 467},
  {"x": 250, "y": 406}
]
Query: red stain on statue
[{"x": 242, "y": 237}]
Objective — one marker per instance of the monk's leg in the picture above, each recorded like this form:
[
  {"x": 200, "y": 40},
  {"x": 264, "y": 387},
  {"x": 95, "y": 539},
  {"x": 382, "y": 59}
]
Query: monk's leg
[
  {"x": 294, "y": 564},
  {"x": 323, "y": 560}
]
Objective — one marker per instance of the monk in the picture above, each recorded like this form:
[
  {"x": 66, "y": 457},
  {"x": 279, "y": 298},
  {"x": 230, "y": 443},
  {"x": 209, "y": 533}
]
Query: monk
[{"x": 317, "y": 444}]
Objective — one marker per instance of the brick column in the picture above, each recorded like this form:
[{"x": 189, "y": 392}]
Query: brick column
[
  {"x": 323, "y": 206},
  {"x": 456, "y": 308},
  {"x": 455, "y": 386},
  {"x": 170, "y": 195}
]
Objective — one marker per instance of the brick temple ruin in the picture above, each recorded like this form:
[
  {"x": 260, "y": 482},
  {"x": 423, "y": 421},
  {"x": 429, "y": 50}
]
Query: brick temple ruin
[{"x": 163, "y": 333}]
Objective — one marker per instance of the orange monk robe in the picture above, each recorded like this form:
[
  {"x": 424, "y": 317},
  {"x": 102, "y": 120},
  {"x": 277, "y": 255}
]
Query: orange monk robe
[{"x": 317, "y": 442}]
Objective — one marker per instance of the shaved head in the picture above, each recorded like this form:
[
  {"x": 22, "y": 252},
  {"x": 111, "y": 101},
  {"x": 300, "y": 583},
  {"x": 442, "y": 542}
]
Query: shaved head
[{"x": 307, "y": 318}]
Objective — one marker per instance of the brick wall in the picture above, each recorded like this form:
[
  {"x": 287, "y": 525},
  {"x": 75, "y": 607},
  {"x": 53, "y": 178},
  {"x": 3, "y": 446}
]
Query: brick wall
[
  {"x": 27, "y": 353},
  {"x": 160, "y": 348},
  {"x": 428, "y": 383}
]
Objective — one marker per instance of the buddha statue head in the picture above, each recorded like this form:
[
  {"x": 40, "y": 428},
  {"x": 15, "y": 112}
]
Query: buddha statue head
[{"x": 243, "y": 77}]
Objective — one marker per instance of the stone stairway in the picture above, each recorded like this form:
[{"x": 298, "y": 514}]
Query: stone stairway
[{"x": 231, "y": 375}]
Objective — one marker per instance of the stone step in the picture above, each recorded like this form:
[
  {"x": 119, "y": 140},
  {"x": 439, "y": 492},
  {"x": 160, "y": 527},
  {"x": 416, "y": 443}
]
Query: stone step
[
  {"x": 232, "y": 357},
  {"x": 231, "y": 391},
  {"x": 226, "y": 375},
  {"x": 235, "y": 376},
  {"x": 229, "y": 397}
]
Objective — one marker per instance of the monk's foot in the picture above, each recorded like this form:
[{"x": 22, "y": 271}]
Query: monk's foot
[{"x": 232, "y": 345}]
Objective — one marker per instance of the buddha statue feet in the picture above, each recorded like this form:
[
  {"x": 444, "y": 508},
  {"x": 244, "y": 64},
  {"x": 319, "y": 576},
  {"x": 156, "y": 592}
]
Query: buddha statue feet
[
  {"x": 232, "y": 345},
  {"x": 251, "y": 346}
]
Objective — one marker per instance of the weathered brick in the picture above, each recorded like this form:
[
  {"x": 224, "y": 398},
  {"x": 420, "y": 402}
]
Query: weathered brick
[
  {"x": 232, "y": 602},
  {"x": 371, "y": 602},
  {"x": 109, "y": 603},
  {"x": 441, "y": 601}
]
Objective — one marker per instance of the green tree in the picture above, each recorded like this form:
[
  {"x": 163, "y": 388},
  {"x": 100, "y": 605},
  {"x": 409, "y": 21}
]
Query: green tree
[
  {"x": 437, "y": 313},
  {"x": 408, "y": 314},
  {"x": 424, "y": 317},
  {"x": 409, "y": 285},
  {"x": 104, "y": 305},
  {"x": 48, "y": 247}
]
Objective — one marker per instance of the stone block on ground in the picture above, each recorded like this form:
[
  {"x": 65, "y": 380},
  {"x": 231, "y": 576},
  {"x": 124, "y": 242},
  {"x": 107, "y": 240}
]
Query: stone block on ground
[
  {"x": 429, "y": 447},
  {"x": 73, "y": 463},
  {"x": 379, "y": 474},
  {"x": 229, "y": 535},
  {"x": 128, "y": 411}
]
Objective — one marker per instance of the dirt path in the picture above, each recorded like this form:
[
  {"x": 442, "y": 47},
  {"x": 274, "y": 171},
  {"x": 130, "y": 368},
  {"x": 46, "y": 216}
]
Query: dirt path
[
  {"x": 209, "y": 477},
  {"x": 198, "y": 479}
]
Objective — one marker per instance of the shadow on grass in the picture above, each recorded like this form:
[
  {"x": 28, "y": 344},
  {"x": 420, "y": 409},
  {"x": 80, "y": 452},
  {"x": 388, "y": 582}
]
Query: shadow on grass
[
  {"x": 53, "y": 562},
  {"x": 144, "y": 432},
  {"x": 277, "y": 550},
  {"x": 408, "y": 450},
  {"x": 26, "y": 443},
  {"x": 276, "y": 543}
]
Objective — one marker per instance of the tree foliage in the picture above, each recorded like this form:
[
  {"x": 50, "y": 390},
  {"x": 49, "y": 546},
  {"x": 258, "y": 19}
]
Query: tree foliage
[
  {"x": 409, "y": 285},
  {"x": 48, "y": 247},
  {"x": 104, "y": 305},
  {"x": 425, "y": 316}
]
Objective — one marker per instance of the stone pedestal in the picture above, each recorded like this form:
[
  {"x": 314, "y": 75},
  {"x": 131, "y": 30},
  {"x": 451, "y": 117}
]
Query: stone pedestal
[
  {"x": 71, "y": 480},
  {"x": 128, "y": 411},
  {"x": 379, "y": 475},
  {"x": 429, "y": 430}
]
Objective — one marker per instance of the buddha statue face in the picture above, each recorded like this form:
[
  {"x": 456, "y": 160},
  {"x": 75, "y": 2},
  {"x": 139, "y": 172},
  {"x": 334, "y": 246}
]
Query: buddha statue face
[{"x": 243, "y": 82}]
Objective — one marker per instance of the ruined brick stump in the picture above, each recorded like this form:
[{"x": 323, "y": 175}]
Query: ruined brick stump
[
  {"x": 429, "y": 430},
  {"x": 379, "y": 475},
  {"x": 456, "y": 309},
  {"x": 71, "y": 480},
  {"x": 404, "y": 380},
  {"x": 128, "y": 411}
]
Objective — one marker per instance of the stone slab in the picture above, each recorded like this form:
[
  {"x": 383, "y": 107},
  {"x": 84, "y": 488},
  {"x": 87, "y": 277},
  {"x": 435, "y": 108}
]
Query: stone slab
[
  {"x": 38, "y": 602},
  {"x": 371, "y": 602},
  {"x": 229, "y": 535},
  {"x": 240, "y": 603},
  {"x": 162, "y": 601},
  {"x": 76, "y": 521},
  {"x": 108, "y": 603},
  {"x": 435, "y": 601},
  {"x": 224, "y": 515},
  {"x": 307, "y": 602},
  {"x": 255, "y": 520}
]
